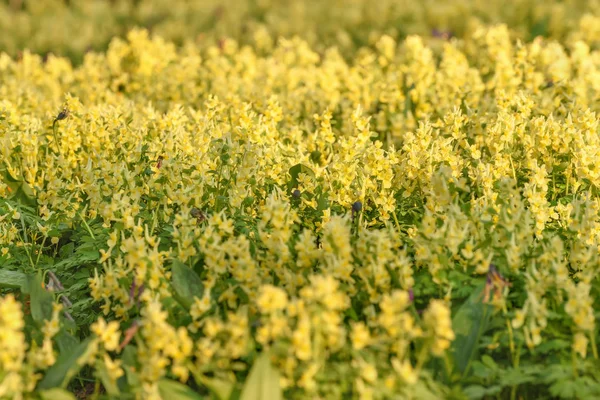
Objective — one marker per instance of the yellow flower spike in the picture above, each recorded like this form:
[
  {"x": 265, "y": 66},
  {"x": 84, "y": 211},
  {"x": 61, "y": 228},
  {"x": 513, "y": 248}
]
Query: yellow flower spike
[
  {"x": 368, "y": 372},
  {"x": 437, "y": 318},
  {"x": 272, "y": 299},
  {"x": 405, "y": 371},
  {"x": 360, "y": 336},
  {"x": 108, "y": 333},
  {"x": 580, "y": 344},
  {"x": 113, "y": 367}
]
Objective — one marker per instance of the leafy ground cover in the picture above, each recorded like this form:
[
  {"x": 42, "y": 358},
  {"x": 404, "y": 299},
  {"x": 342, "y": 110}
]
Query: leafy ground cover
[{"x": 400, "y": 216}]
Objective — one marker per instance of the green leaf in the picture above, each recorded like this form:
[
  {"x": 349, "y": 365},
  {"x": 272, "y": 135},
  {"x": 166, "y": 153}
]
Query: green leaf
[
  {"x": 68, "y": 365},
  {"x": 564, "y": 389},
  {"x": 220, "y": 388},
  {"x": 477, "y": 391},
  {"x": 262, "y": 382},
  {"x": 489, "y": 362},
  {"x": 351, "y": 313},
  {"x": 88, "y": 255},
  {"x": 129, "y": 358},
  {"x": 41, "y": 301},
  {"x": 294, "y": 171},
  {"x": 57, "y": 394},
  {"x": 552, "y": 345},
  {"x": 170, "y": 389},
  {"x": 8, "y": 178},
  {"x": 67, "y": 250},
  {"x": 468, "y": 324},
  {"x": 186, "y": 283},
  {"x": 25, "y": 195},
  {"x": 516, "y": 377},
  {"x": 474, "y": 392},
  {"x": 323, "y": 202},
  {"x": 482, "y": 371},
  {"x": 65, "y": 341},
  {"x": 12, "y": 279},
  {"x": 18, "y": 189}
]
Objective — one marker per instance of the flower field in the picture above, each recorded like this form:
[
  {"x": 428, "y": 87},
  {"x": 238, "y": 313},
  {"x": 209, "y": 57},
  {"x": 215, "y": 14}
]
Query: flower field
[{"x": 269, "y": 199}]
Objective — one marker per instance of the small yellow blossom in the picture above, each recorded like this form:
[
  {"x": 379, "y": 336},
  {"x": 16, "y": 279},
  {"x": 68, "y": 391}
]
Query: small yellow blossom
[
  {"x": 108, "y": 333},
  {"x": 272, "y": 299}
]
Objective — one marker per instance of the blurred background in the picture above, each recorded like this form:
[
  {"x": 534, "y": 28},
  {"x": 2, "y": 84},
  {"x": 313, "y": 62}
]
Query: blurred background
[{"x": 73, "y": 27}]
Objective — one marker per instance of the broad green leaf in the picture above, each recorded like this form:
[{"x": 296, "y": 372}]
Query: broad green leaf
[
  {"x": 12, "y": 279},
  {"x": 68, "y": 365},
  {"x": 262, "y": 382},
  {"x": 474, "y": 392},
  {"x": 468, "y": 324},
  {"x": 220, "y": 388},
  {"x": 480, "y": 370},
  {"x": 173, "y": 390},
  {"x": 186, "y": 283},
  {"x": 489, "y": 362},
  {"x": 18, "y": 189},
  {"x": 129, "y": 355},
  {"x": 41, "y": 301},
  {"x": 56, "y": 394},
  {"x": 323, "y": 202},
  {"x": 65, "y": 341},
  {"x": 25, "y": 195}
]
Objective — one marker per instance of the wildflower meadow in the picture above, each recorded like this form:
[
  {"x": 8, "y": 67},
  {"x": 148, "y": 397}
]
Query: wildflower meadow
[{"x": 299, "y": 199}]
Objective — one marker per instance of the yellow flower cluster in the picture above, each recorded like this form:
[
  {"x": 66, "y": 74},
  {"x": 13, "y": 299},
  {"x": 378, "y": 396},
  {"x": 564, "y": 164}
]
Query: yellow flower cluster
[
  {"x": 12, "y": 347},
  {"x": 21, "y": 364},
  {"x": 322, "y": 201}
]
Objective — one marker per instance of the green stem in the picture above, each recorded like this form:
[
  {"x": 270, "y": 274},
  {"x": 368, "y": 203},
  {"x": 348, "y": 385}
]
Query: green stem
[
  {"x": 396, "y": 221},
  {"x": 87, "y": 226},
  {"x": 594, "y": 347},
  {"x": 154, "y": 220},
  {"x": 512, "y": 166},
  {"x": 513, "y": 389},
  {"x": 218, "y": 187},
  {"x": 448, "y": 367},
  {"x": 421, "y": 358},
  {"x": 54, "y": 131},
  {"x": 553, "y": 187},
  {"x": 25, "y": 241},
  {"x": 574, "y": 363},
  {"x": 96, "y": 393},
  {"x": 511, "y": 341},
  {"x": 37, "y": 260}
]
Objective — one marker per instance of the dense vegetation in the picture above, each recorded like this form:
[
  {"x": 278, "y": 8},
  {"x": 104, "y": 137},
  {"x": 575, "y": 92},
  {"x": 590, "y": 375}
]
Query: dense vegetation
[{"x": 299, "y": 199}]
